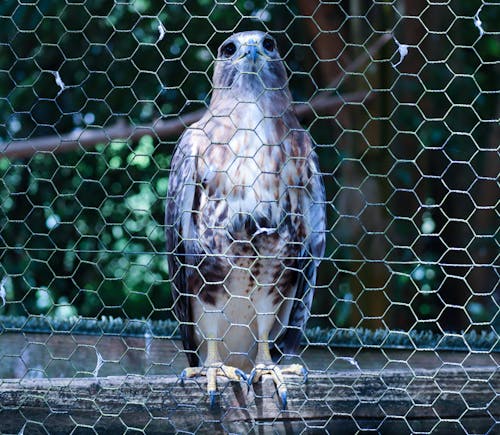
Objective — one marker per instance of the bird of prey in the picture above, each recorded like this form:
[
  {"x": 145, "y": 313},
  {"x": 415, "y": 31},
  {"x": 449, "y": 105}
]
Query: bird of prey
[{"x": 245, "y": 221}]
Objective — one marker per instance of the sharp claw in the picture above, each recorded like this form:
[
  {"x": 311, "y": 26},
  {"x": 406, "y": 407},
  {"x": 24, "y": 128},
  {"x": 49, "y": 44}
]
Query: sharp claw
[
  {"x": 241, "y": 374},
  {"x": 183, "y": 376},
  {"x": 305, "y": 373},
  {"x": 250, "y": 378},
  {"x": 283, "y": 400},
  {"x": 212, "y": 399}
]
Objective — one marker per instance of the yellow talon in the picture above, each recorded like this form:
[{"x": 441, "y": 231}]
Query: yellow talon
[
  {"x": 212, "y": 369},
  {"x": 211, "y": 373},
  {"x": 276, "y": 373}
]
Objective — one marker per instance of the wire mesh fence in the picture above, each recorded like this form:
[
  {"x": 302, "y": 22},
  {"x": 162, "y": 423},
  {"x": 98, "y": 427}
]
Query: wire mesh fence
[{"x": 399, "y": 98}]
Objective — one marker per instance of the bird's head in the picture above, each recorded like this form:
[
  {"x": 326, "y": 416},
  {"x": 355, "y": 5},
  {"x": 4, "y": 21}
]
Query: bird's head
[{"x": 249, "y": 63}]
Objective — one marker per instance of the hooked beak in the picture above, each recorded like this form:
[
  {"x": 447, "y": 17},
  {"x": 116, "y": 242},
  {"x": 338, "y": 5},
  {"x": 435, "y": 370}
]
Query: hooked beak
[{"x": 252, "y": 52}]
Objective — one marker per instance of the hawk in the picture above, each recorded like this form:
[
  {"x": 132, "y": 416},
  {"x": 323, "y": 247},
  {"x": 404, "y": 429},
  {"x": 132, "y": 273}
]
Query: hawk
[{"x": 245, "y": 221}]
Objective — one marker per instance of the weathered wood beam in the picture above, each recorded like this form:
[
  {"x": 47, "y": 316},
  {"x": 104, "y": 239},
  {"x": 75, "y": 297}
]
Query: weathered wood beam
[{"x": 164, "y": 403}]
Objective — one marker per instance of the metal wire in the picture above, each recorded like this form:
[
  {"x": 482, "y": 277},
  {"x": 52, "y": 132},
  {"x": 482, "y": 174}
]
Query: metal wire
[{"x": 401, "y": 98}]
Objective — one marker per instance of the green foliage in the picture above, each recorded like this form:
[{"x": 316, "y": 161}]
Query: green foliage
[
  {"x": 90, "y": 232},
  {"x": 81, "y": 231}
]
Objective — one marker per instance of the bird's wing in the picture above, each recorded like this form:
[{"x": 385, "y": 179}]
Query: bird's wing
[
  {"x": 312, "y": 251},
  {"x": 181, "y": 238}
]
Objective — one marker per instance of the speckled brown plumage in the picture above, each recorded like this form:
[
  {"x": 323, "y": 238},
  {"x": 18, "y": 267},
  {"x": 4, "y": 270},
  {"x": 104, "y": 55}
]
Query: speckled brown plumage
[{"x": 245, "y": 213}]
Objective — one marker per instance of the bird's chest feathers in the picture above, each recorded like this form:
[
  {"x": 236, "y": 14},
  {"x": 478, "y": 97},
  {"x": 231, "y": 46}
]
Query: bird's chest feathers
[
  {"x": 252, "y": 164},
  {"x": 255, "y": 144},
  {"x": 252, "y": 178}
]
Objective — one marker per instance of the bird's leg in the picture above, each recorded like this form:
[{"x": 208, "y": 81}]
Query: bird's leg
[
  {"x": 212, "y": 368},
  {"x": 265, "y": 365}
]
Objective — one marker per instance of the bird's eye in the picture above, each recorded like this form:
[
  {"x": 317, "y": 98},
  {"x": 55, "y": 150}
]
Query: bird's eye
[
  {"x": 228, "y": 50},
  {"x": 268, "y": 44}
]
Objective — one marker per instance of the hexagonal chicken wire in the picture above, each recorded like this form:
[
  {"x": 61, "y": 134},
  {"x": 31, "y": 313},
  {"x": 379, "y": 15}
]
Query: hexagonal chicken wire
[{"x": 401, "y": 101}]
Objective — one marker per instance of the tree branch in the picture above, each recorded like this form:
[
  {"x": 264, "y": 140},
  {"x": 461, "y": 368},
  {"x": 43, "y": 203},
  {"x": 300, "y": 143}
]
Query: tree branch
[
  {"x": 90, "y": 137},
  {"x": 162, "y": 129}
]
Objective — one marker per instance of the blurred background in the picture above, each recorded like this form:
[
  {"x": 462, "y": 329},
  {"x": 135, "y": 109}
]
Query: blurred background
[{"x": 400, "y": 96}]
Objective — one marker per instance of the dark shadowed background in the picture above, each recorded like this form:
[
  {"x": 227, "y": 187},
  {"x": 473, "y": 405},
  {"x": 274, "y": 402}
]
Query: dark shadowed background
[{"x": 407, "y": 136}]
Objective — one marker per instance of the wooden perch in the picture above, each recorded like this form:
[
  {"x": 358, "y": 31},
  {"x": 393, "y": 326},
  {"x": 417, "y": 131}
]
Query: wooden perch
[
  {"x": 328, "y": 400},
  {"x": 377, "y": 387}
]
